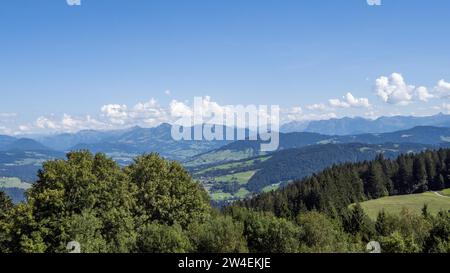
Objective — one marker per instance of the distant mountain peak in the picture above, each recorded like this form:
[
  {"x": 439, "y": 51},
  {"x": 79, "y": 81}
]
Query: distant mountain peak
[
  {"x": 26, "y": 144},
  {"x": 360, "y": 125}
]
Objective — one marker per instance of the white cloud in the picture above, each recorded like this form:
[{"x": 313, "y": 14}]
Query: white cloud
[
  {"x": 374, "y": 2},
  {"x": 71, "y": 123},
  {"x": 423, "y": 94},
  {"x": 179, "y": 109},
  {"x": 24, "y": 128},
  {"x": 394, "y": 90},
  {"x": 46, "y": 123},
  {"x": 317, "y": 107},
  {"x": 116, "y": 113},
  {"x": 66, "y": 123},
  {"x": 148, "y": 113},
  {"x": 349, "y": 101},
  {"x": 442, "y": 89},
  {"x": 167, "y": 92},
  {"x": 294, "y": 113}
]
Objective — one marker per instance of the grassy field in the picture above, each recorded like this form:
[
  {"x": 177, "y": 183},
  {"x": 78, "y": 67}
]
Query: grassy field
[
  {"x": 219, "y": 156},
  {"x": 219, "y": 196},
  {"x": 445, "y": 192},
  {"x": 234, "y": 165},
  {"x": 413, "y": 202},
  {"x": 241, "y": 178},
  {"x": 272, "y": 187}
]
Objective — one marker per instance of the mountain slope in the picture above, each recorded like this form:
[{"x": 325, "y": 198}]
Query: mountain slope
[
  {"x": 25, "y": 144},
  {"x": 278, "y": 168},
  {"x": 24, "y": 164},
  {"x": 158, "y": 139},
  {"x": 294, "y": 164},
  {"x": 358, "y": 125},
  {"x": 240, "y": 150},
  {"x": 5, "y": 141},
  {"x": 422, "y": 134},
  {"x": 243, "y": 149},
  {"x": 63, "y": 142}
]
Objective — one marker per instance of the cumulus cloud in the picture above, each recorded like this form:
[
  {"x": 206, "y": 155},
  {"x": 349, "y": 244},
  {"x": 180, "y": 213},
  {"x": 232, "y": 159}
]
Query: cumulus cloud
[
  {"x": 179, "y": 109},
  {"x": 71, "y": 123},
  {"x": 423, "y": 94},
  {"x": 394, "y": 90},
  {"x": 116, "y": 113},
  {"x": 148, "y": 113},
  {"x": 46, "y": 123},
  {"x": 66, "y": 123},
  {"x": 442, "y": 89},
  {"x": 205, "y": 106},
  {"x": 349, "y": 101}
]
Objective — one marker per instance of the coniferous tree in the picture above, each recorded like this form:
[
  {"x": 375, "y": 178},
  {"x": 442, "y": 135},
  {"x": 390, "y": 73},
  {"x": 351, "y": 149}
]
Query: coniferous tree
[
  {"x": 419, "y": 175},
  {"x": 403, "y": 177},
  {"x": 375, "y": 183}
]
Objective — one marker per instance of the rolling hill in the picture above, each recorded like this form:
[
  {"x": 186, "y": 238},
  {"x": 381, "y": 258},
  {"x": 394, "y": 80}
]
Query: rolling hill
[
  {"x": 294, "y": 164},
  {"x": 277, "y": 169},
  {"x": 438, "y": 136}
]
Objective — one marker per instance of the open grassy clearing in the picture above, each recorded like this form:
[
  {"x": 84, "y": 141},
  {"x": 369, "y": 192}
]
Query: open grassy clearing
[{"x": 413, "y": 202}]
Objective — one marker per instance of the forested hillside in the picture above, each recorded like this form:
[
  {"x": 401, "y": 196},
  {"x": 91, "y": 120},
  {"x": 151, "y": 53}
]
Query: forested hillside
[
  {"x": 332, "y": 190},
  {"x": 293, "y": 164},
  {"x": 153, "y": 205},
  {"x": 239, "y": 150}
]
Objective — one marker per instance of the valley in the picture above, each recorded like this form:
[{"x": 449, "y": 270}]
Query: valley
[{"x": 229, "y": 171}]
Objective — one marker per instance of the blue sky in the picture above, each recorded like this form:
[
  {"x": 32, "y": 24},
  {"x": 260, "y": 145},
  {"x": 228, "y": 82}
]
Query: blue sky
[{"x": 101, "y": 64}]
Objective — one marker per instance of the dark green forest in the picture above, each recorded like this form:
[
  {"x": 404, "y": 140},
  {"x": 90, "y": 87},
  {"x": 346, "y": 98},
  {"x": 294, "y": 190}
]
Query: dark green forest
[
  {"x": 334, "y": 189},
  {"x": 154, "y": 206}
]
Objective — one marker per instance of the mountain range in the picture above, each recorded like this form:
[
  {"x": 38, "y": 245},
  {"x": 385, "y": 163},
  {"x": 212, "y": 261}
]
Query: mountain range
[
  {"x": 427, "y": 135},
  {"x": 358, "y": 125},
  {"x": 241, "y": 164}
]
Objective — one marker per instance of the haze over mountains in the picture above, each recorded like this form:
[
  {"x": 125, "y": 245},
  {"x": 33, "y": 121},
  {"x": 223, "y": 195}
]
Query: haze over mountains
[
  {"x": 241, "y": 165},
  {"x": 358, "y": 125},
  {"x": 144, "y": 139},
  {"x": 426, "y": 135}
]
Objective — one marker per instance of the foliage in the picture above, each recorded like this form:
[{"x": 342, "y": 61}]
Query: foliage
[
  {"x": 219, "y": 234},
  {"x": 154, "y": 206},
  {"x": 159, "y": 238}
]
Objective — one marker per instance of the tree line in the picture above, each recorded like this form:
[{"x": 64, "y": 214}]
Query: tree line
[
  {"x": 334, "y": 189},
  {"x": 154, "y": 206}
]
